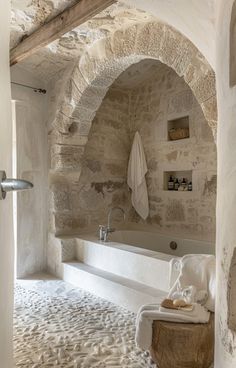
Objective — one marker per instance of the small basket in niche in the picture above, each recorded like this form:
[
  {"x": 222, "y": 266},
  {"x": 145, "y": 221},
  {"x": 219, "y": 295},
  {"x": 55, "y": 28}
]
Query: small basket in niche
[{"x": 178, "y": 133}]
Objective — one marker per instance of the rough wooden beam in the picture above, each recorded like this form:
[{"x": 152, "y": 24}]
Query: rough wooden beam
[{"x": 69, "y": 19}]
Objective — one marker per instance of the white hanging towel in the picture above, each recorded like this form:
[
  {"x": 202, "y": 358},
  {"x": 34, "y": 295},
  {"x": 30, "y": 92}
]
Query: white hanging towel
[{"x": 137, "y": 170}]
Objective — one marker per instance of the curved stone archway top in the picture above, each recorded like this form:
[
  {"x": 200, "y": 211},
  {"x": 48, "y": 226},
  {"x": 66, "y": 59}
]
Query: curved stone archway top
[{"x": 106, "y": 59}]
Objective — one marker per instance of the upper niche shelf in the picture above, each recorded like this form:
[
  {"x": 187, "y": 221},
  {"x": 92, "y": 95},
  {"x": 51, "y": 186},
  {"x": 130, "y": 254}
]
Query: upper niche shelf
[{"x": 178, "y": 128}]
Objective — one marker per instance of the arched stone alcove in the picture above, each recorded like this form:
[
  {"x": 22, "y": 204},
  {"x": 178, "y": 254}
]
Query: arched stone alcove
[
  {"x": 89, "y": 82},
  {"x": 232, "y": 66}
]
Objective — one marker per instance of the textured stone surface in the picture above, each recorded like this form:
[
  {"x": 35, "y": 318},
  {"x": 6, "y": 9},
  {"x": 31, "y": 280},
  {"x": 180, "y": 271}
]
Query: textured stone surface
[
  {"x": 98, "y": 68},
  {"x": 183, "y": 345},
  {"x": 164, "y": 97},
  {"x": 103, "y": 177},
  {"x": 66, "y": 156},
  {"x": 56, "y": 325},
  {"x": 29, "y": 15},
  {"x": 83, "y": 93},
  {"x": 144, "y": 98}
]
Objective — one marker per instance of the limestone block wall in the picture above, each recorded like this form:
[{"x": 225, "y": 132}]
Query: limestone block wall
[
  {"x": 166, "y": 97},
  {"x": 83, "y": 91},
  {"x": 100, "y": 183},
  {"x": 143, "y": 98},
  {"x": 103, "y": 177}
]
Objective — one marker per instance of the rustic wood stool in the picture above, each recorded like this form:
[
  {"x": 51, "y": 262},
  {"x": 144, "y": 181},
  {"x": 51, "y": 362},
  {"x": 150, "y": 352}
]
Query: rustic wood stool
[{"x": 183, "y": 345}]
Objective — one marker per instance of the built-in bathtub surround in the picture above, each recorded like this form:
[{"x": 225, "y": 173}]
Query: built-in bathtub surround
[{"x": 131, "y": 269}]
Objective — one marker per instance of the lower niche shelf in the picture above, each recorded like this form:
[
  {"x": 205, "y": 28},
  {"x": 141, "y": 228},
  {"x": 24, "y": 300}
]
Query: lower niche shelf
[{"x": 179, "y": 175}]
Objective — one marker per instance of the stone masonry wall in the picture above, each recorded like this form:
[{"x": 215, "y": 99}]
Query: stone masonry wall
[
  {"x": 83, "y": 195},
  {"x": 81, "y": 94},
  {"x": 166, "y": 97},
  {"x": 104, "y": 171},
  {"x": 146, "y": 107}
]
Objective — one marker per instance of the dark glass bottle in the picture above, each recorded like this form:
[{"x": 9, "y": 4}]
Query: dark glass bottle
[
  {"x": 190, "y": 186},
  {"x": 171, "y": 183},
  {"x": 176, "y": 186},
  {"x": 184, "y": 184}
]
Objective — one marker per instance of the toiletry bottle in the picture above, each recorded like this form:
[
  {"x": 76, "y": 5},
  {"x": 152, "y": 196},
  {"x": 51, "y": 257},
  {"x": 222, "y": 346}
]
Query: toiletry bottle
[
  {"x": 176, "y": 187},
  {"x": 184, "y": 184},
  {"x": 171, "y": 183},
  {"x": 190, "y": 186}
]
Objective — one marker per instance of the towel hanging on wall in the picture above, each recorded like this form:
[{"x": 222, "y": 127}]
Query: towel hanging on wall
[{"x": 137, "y": 170}]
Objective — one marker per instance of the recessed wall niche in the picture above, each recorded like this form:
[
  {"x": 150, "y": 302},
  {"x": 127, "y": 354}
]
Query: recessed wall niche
[
  {"x": 180, "y": 175},
  {"x": 178, "y": 128}
]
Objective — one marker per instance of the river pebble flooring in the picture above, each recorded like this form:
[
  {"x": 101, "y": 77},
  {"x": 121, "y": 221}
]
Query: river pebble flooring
[{"x": 58, "y": 325}]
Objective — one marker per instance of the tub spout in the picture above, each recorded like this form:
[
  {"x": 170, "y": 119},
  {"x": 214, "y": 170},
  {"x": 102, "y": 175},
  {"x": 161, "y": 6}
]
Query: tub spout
[{"x": 105, "y": 230}]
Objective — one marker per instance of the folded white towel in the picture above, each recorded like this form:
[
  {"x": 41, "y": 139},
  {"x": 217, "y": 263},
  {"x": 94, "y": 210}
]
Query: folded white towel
[
  {"x": 149, "y": 313},
  {"x": 137, "y": 170}
]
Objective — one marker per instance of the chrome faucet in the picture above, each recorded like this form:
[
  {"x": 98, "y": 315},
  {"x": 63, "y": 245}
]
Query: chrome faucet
[{"x": 105, "y": 230}]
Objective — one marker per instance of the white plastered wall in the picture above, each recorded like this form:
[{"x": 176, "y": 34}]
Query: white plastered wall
[
  {"x": 225, "y": 352},
  {"x": 31, "y": 148},
  {"x": 6, "y": 228}
]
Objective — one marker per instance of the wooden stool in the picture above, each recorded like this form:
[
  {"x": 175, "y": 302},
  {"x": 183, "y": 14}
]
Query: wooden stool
[{"x": 183, "y": 345}]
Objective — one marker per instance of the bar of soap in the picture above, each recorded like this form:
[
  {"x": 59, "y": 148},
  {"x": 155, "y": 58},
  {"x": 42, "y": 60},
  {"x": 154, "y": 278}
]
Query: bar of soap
[{"x": 179, "y": 303}]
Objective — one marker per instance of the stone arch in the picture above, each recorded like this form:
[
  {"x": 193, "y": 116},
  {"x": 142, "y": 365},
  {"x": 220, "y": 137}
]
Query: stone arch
[
  {"x": 108, "y": 58},
  {"x": 101, "y": 65},
  {"x": 232, "y": 57}
]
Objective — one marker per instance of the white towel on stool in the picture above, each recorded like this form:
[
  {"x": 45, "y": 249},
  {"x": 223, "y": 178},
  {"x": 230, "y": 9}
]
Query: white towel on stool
[
  {"x": 137, "y": 170},
  {"x": 192, "y": 278},
  {"x": 196, "y": 280}
]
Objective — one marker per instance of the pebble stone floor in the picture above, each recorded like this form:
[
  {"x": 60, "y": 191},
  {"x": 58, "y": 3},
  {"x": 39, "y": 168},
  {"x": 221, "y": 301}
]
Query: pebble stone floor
[{"x": 58, "y": 325}]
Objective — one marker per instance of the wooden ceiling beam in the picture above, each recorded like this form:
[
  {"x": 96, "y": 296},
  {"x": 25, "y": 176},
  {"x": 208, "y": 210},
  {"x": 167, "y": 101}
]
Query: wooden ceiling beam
[{"x": 64, "y": 22}]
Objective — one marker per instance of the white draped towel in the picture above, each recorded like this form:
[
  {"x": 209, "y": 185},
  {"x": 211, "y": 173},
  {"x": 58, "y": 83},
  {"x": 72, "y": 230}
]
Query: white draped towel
[
  {"x": 137, "y": 170},
  {"x": 192, "y": 278}
]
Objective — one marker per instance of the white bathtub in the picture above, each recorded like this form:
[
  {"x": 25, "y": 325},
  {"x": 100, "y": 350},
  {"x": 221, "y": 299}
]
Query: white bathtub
[
  {"x": 161, "y": 243},
  {"x": 130, "y": 270},
  {"x": 138, "y": 256}
]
